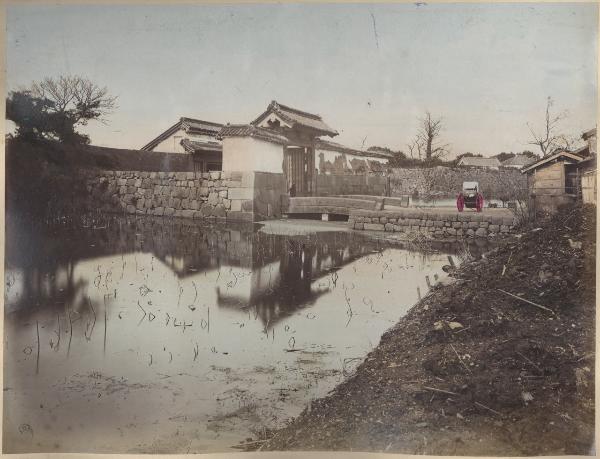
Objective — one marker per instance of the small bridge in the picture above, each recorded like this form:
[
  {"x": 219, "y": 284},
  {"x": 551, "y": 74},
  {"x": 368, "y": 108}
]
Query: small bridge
[{"x": 341, "y": 205}]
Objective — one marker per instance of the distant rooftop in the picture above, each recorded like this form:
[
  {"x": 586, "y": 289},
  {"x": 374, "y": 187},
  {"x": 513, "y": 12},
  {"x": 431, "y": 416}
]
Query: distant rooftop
[
  {"x": 519, "y": 160},
  {"x": 471, "y": 161}
]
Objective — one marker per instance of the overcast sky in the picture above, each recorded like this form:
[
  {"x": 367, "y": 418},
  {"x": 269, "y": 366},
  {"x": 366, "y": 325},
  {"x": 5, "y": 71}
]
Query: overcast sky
[{"x": 369, "y": 70}]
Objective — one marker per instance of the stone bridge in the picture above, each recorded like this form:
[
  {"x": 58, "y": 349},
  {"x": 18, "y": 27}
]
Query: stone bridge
[{"x": 341, "y": 205}]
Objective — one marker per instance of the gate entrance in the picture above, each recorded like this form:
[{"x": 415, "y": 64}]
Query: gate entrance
[{"x": 299, "y": 170}]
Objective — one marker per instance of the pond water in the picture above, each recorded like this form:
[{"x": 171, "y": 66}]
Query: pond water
[{"x": 142, "y": 335}]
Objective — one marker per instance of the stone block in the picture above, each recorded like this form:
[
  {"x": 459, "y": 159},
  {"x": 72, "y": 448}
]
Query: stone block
[
  {"x": 203, "y": 191},
  {"x": 236, "y": 205},
  {"x": 389, "y": 227},
  {"x": 470, "y": 232},
  {"x": 159, "y": 211},
  {"x": 484, "y": 224},
  {"x": 227, "y": 204},
  {"x": 473, "y": 225},
  {"x": 169, "y": 211},
  {"x": 494, "y": 228},
  {"x": 359, "y": 226},
  {"x": 481, "y": 232},
  {"x": 223, "y": 193},
  {"x": 213, "y": 198},
  {"x": 241, "y": 193},
  {"x": 456, "y": 225},
  {"x": 383, "y": 220},
  {"x": 194, "y": 204},
  {"x": 130, "y": 209},
  {"x": 374, "y": 227},
  {"x": 215, "y": 175},
  {"x": 451, "y": 231},
  {"x": 187, "y": 213},
  {"x": 504, "y": 228},
  {"x": 438, "y": 224}
]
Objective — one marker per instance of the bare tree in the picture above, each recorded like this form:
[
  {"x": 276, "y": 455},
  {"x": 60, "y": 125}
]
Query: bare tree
[
  {"x": 549, "y": 139},
  {"x": 427, "y": 144},
  {"x": 53, "y": 108},
  {"x": 76, "y": 96}
]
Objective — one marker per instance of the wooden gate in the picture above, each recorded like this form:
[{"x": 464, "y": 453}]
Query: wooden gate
[{"x": 299, "y": 167}]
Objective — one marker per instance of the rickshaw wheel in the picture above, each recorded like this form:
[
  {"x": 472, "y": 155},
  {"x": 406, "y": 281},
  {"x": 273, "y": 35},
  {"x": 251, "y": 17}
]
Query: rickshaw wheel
[
  {"x": 479, "y": 202},
  {"x": 460, "y": 202}
]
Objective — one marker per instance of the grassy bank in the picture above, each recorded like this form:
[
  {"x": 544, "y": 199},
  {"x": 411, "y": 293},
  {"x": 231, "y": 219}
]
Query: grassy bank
[{"x": 474, "y": 369}]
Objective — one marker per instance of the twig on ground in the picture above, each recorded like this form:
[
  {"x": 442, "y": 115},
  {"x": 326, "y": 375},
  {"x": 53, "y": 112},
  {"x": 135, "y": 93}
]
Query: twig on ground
[
  {"x": 530, "y": 361},
  {"x": 459, "y": 359},
  {"x": 433, "y": 389},
  {"x": 487, "y": 408},
  {"x": 527, "y": 301}
]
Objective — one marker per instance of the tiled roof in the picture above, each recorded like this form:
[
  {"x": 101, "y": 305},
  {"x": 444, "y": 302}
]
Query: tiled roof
[
  {"x": 192, "y": 146},
  {"x": 333, "y": 146},
  {"x": 297, "y": 117},
  {"x": 518, "y": 160},
  {"x": 248, "y": 130},
  {"x": 471, "y": 161},
  {"x": 193, "y": 126},
  {"x": 190, "y": 125}
]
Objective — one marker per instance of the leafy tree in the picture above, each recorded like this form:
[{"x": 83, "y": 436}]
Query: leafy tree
[
  {"x": 504, "y": 156},
  {"x": 53, "y": 109}
]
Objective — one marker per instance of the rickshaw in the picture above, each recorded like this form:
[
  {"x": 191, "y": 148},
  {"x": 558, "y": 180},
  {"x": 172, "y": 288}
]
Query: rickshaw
[{"x": 470, "y": 197}]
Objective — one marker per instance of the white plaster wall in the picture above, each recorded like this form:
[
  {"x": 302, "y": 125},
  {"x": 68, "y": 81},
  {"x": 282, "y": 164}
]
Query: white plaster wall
[
  {"x": 172, "y": 143},
  {"x": 330, "y": 155},
  {"x": 250, "y": 154}
]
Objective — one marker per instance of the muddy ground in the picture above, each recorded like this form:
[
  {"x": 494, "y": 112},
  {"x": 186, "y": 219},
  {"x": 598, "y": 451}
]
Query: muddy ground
[{"x": 473, "y": 369}]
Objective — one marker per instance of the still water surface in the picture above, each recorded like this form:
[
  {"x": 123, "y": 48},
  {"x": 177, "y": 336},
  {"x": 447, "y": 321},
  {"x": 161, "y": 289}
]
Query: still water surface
[{"x": 140, "y": 335}]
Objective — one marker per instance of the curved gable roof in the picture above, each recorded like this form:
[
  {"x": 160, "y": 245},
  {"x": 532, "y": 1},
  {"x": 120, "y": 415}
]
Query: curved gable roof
[{"x": 296, "y": 117}]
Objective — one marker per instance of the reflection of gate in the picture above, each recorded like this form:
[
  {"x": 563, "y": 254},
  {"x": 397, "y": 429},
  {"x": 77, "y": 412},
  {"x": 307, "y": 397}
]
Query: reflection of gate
[{"x": 299, "y": 167}]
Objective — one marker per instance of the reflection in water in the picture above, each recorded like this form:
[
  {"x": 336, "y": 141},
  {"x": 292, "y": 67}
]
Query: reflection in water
[{"x": 141, "y": 335}]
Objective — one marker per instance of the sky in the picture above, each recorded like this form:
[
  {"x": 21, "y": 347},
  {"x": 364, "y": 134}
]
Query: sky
[{"x": 370, "y": 70}]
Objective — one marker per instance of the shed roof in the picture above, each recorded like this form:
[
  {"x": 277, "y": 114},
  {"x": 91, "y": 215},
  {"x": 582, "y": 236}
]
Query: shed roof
[
  {"x": 297, "y": 118},
  {"x": 471, "y": 161},
  {"x": 190, "y": 125},
  {"x": 566, "y": 155},
  {"x": 248, "y": 130}
]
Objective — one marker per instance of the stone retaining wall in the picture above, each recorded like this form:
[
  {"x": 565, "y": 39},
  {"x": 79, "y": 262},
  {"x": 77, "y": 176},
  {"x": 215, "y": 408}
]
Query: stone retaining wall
[
  {"x": 220, "y": 195},
  {"x": 434, "y": 222}
]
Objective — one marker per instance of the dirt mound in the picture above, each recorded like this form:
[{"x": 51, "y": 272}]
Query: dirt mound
[{"x": 501, "y": 362}]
